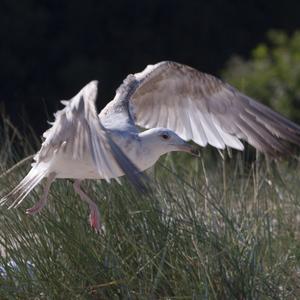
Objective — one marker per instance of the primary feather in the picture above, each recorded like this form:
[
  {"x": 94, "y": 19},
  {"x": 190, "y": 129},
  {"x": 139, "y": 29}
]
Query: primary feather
[{"x": 202, "y": 108}]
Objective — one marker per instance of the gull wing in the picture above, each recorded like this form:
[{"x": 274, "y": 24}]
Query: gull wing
[
  {"x": 202, "y": 108},
  {"x": 77, "y": 130}
]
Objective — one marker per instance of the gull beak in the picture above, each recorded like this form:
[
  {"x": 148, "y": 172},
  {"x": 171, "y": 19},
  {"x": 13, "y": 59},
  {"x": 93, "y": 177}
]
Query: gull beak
[{"x": 186, "y": 147}]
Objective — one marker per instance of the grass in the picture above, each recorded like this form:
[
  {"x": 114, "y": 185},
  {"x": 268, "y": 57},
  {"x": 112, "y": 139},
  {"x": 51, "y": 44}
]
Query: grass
[{"x": 209, "y": 229}]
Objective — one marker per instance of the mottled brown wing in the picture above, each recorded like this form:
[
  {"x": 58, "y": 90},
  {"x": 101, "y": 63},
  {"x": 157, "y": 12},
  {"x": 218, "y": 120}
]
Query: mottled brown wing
[{"x": 202, "y": 108}]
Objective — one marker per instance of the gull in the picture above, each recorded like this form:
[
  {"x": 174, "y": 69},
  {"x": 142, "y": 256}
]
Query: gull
[{"x": 175, "y": 104}]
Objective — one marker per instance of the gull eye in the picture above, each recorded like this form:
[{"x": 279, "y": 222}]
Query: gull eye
[{"x": 165, "y": 136}]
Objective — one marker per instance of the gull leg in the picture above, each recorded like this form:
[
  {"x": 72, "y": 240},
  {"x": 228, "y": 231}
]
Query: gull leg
[
  {"x": 42, "y": 202},
  {"x": 94, "y": 212}
]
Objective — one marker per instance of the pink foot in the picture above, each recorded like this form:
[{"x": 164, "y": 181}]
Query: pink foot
[
  {"x": 95, "y": 219},
  {"x": 36, "y": 208}
]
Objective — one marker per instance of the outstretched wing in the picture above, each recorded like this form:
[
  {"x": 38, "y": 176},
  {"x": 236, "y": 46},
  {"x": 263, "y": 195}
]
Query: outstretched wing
[
  {"x": 77, "y": 130},
  {"x": 202, "y": 108}
]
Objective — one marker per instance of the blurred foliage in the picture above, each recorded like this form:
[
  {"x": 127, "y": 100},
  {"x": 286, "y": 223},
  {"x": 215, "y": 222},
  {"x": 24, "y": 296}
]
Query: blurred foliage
[
  {"x": 50, "y": 49},
  {"x": 272, "y": 74},
  {"x": 216, "y": 230}
]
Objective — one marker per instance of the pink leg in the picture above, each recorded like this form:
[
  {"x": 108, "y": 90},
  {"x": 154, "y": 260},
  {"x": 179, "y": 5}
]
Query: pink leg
[
  {"x": 42, "y": 202},
  {"x": 94, "y": 212}
]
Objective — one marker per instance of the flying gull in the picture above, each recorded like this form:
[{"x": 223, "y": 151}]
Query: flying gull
[{"x": 175, "y": 103}]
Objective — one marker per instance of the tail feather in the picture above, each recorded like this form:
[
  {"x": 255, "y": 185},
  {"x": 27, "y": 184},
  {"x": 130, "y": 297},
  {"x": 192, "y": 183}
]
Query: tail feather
[{"x": 29, "y": 182}]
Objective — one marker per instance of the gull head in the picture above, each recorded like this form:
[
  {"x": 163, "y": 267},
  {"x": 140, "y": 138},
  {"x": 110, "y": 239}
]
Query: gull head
[{"x": 163, "y": 140}]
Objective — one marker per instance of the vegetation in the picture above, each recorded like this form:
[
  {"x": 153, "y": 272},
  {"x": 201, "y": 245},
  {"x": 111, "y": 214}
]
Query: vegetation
[
  {"x": 213, "y": 229},
  {"x": 208, "y": 229},
  {"x": 272, "y": 74}
]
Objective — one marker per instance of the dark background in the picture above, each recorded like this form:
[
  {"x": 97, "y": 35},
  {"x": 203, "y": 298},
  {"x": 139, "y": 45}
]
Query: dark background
[{"x": 50, "y": 49}]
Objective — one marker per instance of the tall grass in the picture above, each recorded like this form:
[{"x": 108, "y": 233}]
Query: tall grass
[{"x": 208, "y": 229}]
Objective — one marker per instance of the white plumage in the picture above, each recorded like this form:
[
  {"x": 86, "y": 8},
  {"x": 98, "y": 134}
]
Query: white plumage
[{"x": 175, "y": 102}]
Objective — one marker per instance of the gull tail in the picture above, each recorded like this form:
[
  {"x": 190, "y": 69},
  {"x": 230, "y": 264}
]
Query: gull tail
[{"x": 29, "y": 182}]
